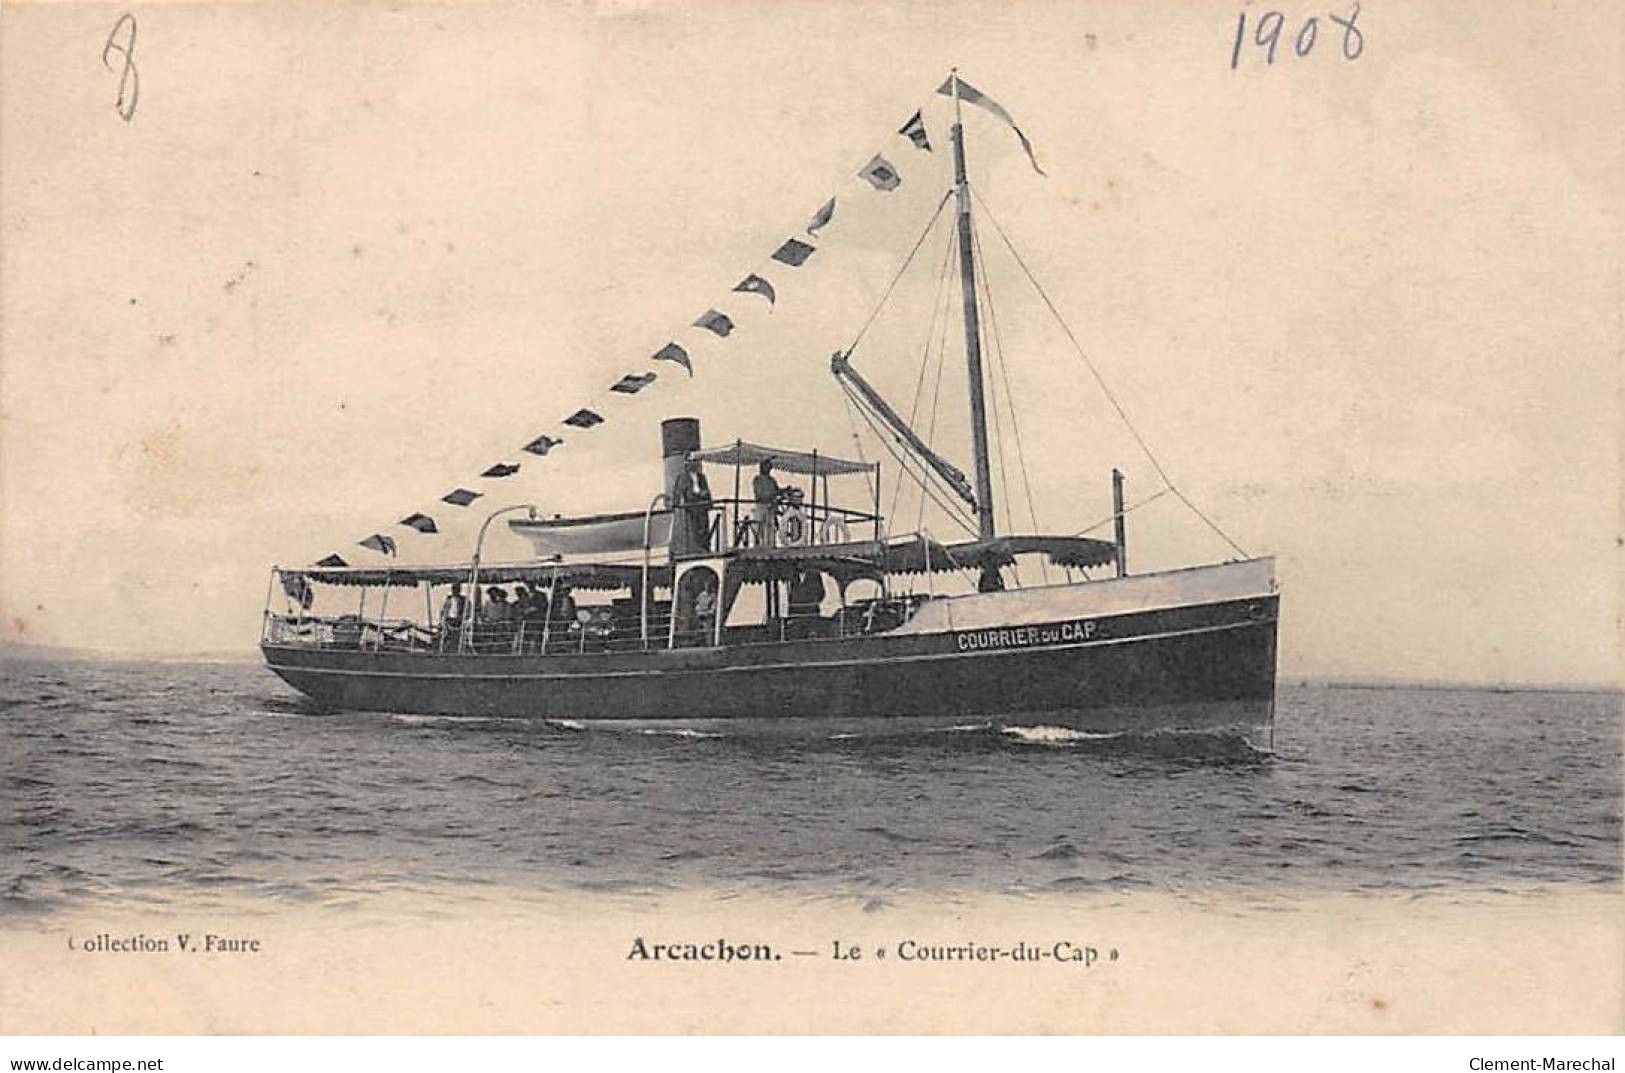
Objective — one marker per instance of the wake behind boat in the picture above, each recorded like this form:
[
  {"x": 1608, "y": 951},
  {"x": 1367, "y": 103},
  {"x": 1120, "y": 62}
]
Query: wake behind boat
[{"x": 766, "y": 604}]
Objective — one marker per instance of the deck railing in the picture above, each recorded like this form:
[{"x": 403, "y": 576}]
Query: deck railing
[
  {"x": 730, "y": 523},
  {"x": 600, "y": 630}
]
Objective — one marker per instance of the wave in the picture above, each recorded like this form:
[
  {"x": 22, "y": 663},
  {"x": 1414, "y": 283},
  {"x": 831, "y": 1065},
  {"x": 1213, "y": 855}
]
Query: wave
[
  {"x": 564, "y": 724},
  {"x": 1043, "y": 734}
]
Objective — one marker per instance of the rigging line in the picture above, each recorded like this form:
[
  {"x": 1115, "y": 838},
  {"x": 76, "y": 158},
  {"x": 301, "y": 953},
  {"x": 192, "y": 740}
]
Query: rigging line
[
  {"x": 1067, "y": 328},
  {"x": 906, "y": 262},
  {"x": 1009, "y": 395},
  {"x": 870, "y": 478},
  {"x": 936, "y": 393},
  {"x": 925, "y": 362},
  {"x": 998, "y": 420},
  {"x": 1095, "y": 372},
  {"x": 931, "y": 330},
  {"x": 1211, "y": 524},
  {"x": 1009, "y": 404},
  {"x": 1004, "y": 477},
  {"x": 1165, "y": 490},
  {"x": 923, "y": 480}
]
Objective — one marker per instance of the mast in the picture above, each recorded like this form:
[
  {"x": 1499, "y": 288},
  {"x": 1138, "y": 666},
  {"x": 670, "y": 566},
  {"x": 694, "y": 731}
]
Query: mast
[{"x": 973, "y": 326}]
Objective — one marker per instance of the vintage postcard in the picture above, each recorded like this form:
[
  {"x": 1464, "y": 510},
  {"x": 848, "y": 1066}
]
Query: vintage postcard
[{"x": 764, "y": 516}]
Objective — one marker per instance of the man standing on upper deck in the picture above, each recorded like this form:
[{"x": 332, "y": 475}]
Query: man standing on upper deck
[
  {"x": 691, "y": 497},
  {"x": 765, "y": 492}
]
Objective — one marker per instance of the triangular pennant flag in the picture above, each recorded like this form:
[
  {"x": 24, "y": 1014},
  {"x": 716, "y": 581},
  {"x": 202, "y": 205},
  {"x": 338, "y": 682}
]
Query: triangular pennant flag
[
  {"x": 379, "y": 543},
  {"x": 332, "y": 562},
  {"x": 673, "y": 352},
  {"x": 502, "y": 469},
  {"x": 971, "y": 95},
  {"x": 822, "y": 217},
  {"x": 754, "y": 284},
  {"x": 461, "y": 497},
  {"x": 583, "y": 418},
  {"x": 632, "y": 383},
  {"x": 421, "y": 522},
  {"x": 914, "y": 131},
  {"x": 794, "y": 252},
  {"x": 541, "y": 445},
  {"x": 716, "y": 322},
  {"x": 881, "y": 174}
]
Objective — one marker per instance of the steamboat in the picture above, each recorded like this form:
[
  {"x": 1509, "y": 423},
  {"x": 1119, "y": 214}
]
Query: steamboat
[{"x": 773, "y": 607}]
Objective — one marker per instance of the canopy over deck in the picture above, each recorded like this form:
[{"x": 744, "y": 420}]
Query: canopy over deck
[
  {"x": 605, "y": 576},
  {"x": 849, "y": 560},
  {"x": 742, "y": 453},
  {"x": 914, "y": 555},
  {"x": 1068, "y": 551}
]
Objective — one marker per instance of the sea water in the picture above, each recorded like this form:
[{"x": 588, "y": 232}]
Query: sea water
[{"x": 155, "y": 785}]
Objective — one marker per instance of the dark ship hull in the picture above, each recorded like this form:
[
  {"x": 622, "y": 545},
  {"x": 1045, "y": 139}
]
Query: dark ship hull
[{"x": 1188, "y": 664}]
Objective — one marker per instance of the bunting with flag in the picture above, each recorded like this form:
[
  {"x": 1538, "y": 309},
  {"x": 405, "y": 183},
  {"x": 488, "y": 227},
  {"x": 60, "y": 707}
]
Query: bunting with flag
[
  {"x": 632, "y": 383},
  {"x": 914, "y": 131},
  {"x": 881, "y": 175},
  {"x": 754, "y": 284},
  {"x": 822, "y": 217},
  {"x": 971, "y": 95},
  {"x": 794, "y": 252},
  {"x": 715, "y": 321},
  {"x": 541, "y": 445},
  {"x": 674, "y": 353}
]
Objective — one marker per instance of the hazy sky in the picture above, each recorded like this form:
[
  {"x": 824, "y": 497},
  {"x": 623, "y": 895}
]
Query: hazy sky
[{"x": 344, "y": 257}]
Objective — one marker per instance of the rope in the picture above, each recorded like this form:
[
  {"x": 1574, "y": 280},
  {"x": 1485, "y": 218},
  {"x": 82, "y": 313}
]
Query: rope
[
  {"x": 893, "y": 284},
  {"x": 1126, "y": 510},
  {"x": 1010, "y": 403},
  {"x": 925, "y": 365},
  {"x": 1211, "y": 524},
  {"x": 1095, "y": 372},
  {"x": 1004, "y": 477},
  {"x": 857, "y": 445},
  {"x": 936, "y": 398},
  {"x": 954, "y": 514}
]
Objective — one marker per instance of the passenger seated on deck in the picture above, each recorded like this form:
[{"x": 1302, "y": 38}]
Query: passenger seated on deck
[
  {"x": 532, "y": 618},
  {"x": 563, "y": 618},
  {"x": 705, "y": 611},
  {"x": 496, "y": 619},
  {"x": 516, "y": 609}
]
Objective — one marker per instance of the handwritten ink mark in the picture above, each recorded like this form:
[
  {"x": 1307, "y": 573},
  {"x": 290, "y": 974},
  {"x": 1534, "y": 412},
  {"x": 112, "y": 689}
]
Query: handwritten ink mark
[
  {"x": 1353, "y": 39},
  {"x": 121, "y": 39},
  {"x": 1267, "y": 35}
]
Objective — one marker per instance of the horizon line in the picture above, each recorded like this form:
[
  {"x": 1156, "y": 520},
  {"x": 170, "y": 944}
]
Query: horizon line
[{"x": 23, "y": 650}]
